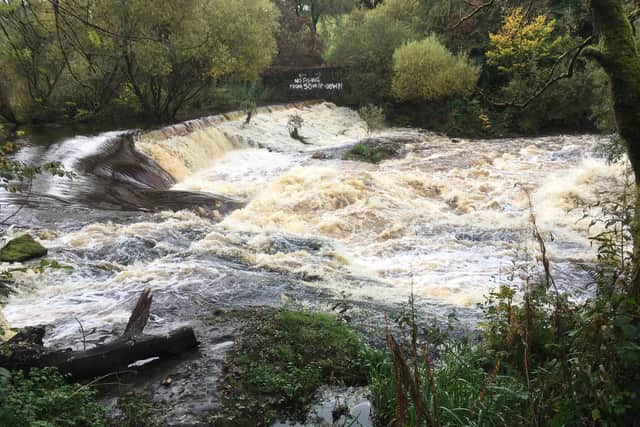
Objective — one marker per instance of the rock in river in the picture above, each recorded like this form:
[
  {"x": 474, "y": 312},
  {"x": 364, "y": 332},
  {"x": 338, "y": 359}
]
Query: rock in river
[{"x": 23, "y": 248}]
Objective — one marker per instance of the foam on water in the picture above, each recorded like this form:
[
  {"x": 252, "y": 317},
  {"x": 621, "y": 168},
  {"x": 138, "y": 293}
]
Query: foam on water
[{"x": 445, "y": 219}]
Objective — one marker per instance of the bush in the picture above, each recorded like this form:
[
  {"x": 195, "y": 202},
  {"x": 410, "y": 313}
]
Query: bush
[
  {"x": 370, "y": 153},
  {"x": 365, "y": 44},
  {"x": 43, "y": 398},
  {"x": 426, "y": 70},
  {"x": 374, "y": 116}
]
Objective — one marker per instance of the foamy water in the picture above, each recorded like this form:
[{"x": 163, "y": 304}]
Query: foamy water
[{"x": 445, "y": 219}]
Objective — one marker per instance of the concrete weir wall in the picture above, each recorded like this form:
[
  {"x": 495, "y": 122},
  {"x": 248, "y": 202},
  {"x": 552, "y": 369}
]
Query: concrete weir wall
[{"x": 195, "y": 125}]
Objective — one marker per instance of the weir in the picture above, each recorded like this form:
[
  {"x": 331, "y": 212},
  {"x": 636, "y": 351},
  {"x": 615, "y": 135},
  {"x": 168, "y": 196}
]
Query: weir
[{"x": 445, "y": 218}]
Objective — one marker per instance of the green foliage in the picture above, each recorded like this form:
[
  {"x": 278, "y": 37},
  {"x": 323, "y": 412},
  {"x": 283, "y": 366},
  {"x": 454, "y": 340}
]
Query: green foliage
[
  {"x": 374, "y": 116},
  {"x": 43, "y": 398},
  {"x": 365, "y": 44},
  {"x": 370, "y": 153},
  {"x": 142, "y": 56},
  {"x": 427, "y": 70},
  {"x": 465, "y": 394},
  {"x": 136, "y": 412},
  {"x": 178, "y": 49},
  {"x": 316, "y": 9},
  {"x": 284, "y": 356},
  {"x": 571, "y": 104}
]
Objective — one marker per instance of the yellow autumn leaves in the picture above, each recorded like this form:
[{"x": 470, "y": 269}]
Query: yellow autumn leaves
[{"x": 523, "y": 43}]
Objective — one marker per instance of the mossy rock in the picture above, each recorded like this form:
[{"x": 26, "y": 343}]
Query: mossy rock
[
  {"x": 371, "y": 153},
  {"x": 23, "y": 248}
]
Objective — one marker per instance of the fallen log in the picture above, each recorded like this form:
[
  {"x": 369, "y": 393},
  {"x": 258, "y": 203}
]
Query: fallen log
[{"x": 25, "y": 350}]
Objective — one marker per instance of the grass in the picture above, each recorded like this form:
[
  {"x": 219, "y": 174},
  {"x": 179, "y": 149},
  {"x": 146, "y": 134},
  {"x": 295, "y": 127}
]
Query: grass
[
  {"x": 282, "y": 358},
  {"x": 370, "y": 154},
  {"x": 459, "y": 392}
]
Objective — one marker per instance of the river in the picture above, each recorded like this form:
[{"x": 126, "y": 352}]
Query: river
[{"x": 215, "y": 212}]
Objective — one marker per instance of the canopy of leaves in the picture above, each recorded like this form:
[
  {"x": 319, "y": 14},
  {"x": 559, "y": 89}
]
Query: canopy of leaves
[
  {"x": 75, "y": 58},
  {"x": 366, "y": 44},
  {"x": 522, "y": 43}
]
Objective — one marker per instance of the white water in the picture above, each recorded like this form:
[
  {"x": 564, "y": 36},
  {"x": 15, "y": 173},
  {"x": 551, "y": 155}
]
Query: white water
[{"x": 446, "y": 219}]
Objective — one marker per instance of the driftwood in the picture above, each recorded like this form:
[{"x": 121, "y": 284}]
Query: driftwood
[
  {"x": 140, "y": 314},
  {"x": 26, "y": 349}
]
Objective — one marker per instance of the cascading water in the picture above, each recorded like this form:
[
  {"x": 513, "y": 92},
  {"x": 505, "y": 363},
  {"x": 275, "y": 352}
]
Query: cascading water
[{"x": 444, "y": 219}]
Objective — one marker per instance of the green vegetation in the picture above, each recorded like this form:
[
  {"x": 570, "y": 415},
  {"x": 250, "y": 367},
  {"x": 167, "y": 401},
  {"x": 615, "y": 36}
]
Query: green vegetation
[
  {"x": 370, "y": 153},
  {"x": 280, "y": 361},
  {"x": 426, "y": 70},
  {"x": 500, "y": 71},
  {"x": 365, "y": 44},
  {"x": 433, "y": 64},
  {"x": 136, "y": 412},
  {"x": 22, "y": 248},
  {"x": 43, "y": 398},
  {"x": 81, "y": 60},
  {"x": 543, "y": 358},
  {"x": 374, "y": 116}
]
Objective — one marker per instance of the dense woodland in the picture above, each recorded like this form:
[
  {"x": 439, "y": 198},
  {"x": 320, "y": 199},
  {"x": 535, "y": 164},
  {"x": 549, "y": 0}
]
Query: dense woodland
[
  {"x": 89, "y": 60},
  {"x": 474, "y": 68}
]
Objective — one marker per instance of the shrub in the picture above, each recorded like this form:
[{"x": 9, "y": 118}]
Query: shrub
[
  {"x": 374, "y": 116},
  {"x": 365, "y": 44},
  {"x": 43, "y": 398},
  {"x": 426, "y": 70}
]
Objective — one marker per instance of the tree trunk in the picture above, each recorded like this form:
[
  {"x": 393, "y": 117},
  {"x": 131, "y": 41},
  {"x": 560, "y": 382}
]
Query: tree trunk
[
  {"x": 111, "y": 357},
  {"x": 25, "y": 350},
  {"x": 617, "y": 53},
  {"x": 140, "y": 314}
]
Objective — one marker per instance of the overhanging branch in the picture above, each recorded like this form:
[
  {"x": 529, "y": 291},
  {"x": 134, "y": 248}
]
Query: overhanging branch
[{"x": 576, "y": 51}]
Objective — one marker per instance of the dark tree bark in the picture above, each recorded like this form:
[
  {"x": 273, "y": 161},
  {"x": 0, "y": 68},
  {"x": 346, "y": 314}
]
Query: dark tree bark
[
  {"x": 618, "y": 55},
  {"x": 26, "y": 350},
  {"x": 111, "y": 357},
  {"x": 140, "y": 314}
]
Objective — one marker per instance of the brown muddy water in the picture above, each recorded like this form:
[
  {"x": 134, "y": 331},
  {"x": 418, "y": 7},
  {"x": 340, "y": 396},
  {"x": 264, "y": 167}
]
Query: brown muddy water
[{"x": 216, "y": 213}]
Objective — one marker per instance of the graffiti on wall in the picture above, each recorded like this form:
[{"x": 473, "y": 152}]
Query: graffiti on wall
[{"x": 313, "y": 82}]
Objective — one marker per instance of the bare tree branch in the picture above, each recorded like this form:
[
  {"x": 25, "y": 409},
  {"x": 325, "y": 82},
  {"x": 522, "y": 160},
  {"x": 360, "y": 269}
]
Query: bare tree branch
[
  {"x": 576, "y": 51},
  {"x": 474, "y": 12}
]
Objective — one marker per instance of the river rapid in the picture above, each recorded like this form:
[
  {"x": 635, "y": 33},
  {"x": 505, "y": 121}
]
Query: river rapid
[{"x": 218, "y": 213}]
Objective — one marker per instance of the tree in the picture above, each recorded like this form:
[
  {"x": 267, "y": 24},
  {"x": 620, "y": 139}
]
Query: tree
[
  {"x": 316, "y": 9},
  {"x": 365, "y": 44},
  {"x": 523, "y": 43},
  {"x": 71, "y": 58},
  {"x": 617, "y": 53},
  {"x": 172, "y": 51},
  {"x": 426, "y": 70},
  {"x": 30, "y": 64}
]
